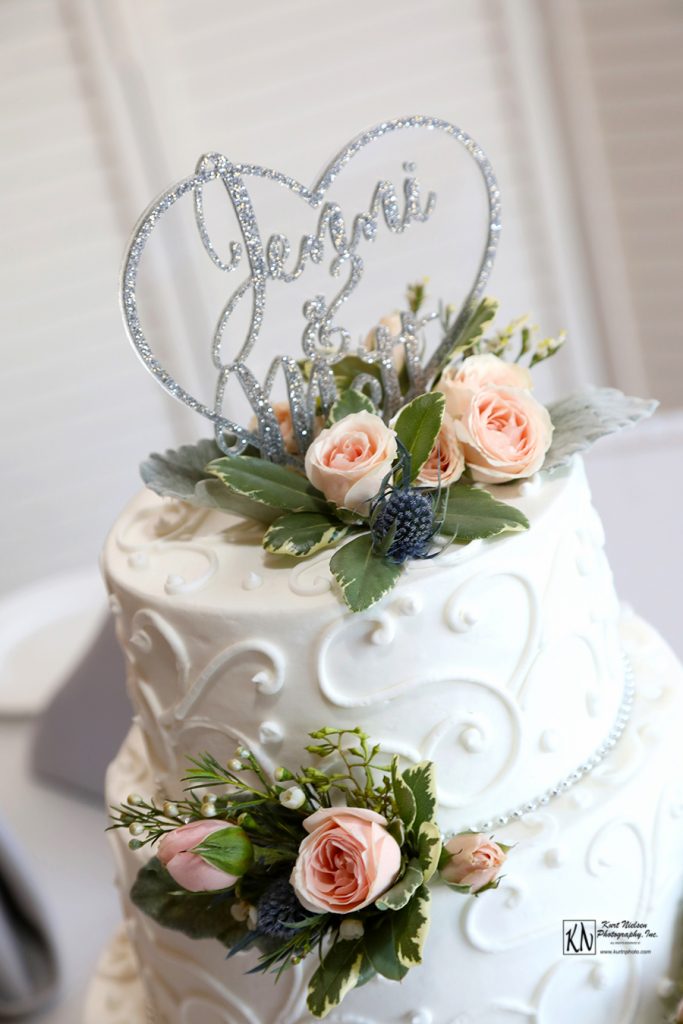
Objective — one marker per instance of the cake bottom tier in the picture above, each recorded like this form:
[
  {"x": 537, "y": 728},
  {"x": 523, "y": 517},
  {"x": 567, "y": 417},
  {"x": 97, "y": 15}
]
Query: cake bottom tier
[{"x": 608, "y": 850}]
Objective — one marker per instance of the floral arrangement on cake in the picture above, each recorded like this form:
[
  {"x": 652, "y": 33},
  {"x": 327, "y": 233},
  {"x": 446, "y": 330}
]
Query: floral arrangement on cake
[
  {"x": 333, "y": 861},
  {"x": 383, "y": 493}
]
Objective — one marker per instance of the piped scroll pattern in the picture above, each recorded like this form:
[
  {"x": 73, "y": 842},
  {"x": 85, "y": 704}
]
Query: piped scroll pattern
[
  {"x": 152, "y": 537},
  {"x": 174, "y": 717}
]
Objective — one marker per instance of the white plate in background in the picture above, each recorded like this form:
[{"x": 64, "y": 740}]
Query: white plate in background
[{"x": 45, "y": 629}]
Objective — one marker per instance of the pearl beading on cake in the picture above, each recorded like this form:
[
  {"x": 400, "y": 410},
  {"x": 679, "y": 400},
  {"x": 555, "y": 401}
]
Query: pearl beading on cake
[{"x": 580, "y": 772}]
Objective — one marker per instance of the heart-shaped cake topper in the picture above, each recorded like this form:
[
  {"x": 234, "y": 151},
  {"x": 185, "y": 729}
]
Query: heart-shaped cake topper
[{"x": 310, "y": 381}]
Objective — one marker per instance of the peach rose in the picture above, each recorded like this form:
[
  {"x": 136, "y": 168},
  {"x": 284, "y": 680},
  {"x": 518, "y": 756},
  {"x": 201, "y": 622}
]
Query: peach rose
[
  {"x": 505, "y": 433},
  {"x": 189, "y": 869},
  {"x": 394, "y": 326},
  {"x": 347, "y": 862},
  {"x": 349, "y": 460},
  {"x": 475, "y": 860},
  {"x": 446, "y": 462},
  {"x": 461, "y": 382}
]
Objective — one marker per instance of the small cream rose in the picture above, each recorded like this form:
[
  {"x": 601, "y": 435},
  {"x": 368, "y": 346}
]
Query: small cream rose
[
  {"x": 346, "y": 862},
  {"x": 446, "y": 462},
  {"x": 394, "y": 327},
  {"x": 460, "y": 383},
  {"x": 475, "y": 860},
  {"x": 505, "y": 433},
  {"x": 349, "y": 460}
]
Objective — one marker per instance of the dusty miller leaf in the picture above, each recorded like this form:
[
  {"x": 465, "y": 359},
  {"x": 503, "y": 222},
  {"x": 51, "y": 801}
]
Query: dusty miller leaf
[{"x": 584, "y": 417}]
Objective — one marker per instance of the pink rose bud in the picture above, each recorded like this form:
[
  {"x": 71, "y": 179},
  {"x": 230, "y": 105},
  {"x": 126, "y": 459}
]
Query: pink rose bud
[
  {"x": 505, "y": 433},
  {"x": 475, "y": 860},
  {"x": 347, "y": 862},
  {"x": 349, "y": 460},
  {"x": 189, "y": 869}
]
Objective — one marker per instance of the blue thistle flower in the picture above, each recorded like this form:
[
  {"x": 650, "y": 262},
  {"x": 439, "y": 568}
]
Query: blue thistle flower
[
  {"x": 402, "y": 524},
  {"x": 277, "y": 908}
]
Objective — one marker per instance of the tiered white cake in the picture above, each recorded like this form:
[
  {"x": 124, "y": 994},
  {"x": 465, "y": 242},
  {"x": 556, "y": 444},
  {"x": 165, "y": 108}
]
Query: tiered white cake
[{"x": 506, "y": 663}]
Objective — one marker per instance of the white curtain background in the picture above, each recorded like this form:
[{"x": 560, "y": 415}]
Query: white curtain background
[{"x": 104, "y": 103}]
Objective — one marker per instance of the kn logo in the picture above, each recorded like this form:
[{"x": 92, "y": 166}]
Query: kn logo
[{"x": 579, "y": 938}]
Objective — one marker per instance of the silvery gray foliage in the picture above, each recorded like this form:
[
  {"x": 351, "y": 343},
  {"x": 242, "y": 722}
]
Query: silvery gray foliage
[
  {"x": 181, "y": 474},
  {"x": 175, "y": 474},
  {"x": 584, "y": 417}
]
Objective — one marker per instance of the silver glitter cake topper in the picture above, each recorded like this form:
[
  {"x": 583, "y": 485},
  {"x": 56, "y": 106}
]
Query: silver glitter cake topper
[{"x": 324, "y": 341}]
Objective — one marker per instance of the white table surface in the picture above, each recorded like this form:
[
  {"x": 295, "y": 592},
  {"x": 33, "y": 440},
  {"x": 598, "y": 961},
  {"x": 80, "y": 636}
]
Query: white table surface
[{"x": 637, "y": 482}]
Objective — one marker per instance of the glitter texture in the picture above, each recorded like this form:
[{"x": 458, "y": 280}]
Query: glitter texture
[{"x": 324, "y": 341}]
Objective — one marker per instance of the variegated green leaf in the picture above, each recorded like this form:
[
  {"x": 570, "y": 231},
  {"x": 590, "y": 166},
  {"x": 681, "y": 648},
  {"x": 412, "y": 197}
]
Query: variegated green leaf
[
  {"x": 429, "y": 848},
  {"x": 403, "y": 795},
  {"x": 351, "y": 401},
  {"x": 364, "y": 578},
  {"x": 380, "y": 947},
  {"x": 413, "y": 927},
  {"x": 470, "y": 513},
  {"x": 301, "y": 533},
  {"x": 337, "y": 974},
  {"x": 421, "y": 779},
  {"x": 402, "y": 891},
  {"x": 268, "y": 483}
]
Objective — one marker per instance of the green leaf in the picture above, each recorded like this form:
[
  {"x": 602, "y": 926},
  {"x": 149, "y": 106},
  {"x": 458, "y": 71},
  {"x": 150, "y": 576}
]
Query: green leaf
[
  {"x": 301, "y": 533},
  {"x": 268, "y": 483},
  {"x": 403, "y": 795},
  {"x": 397, "y": 829},
  {"x": 199, "y": 915},
  {"x": 337, "y": 974},
  {"x": 421, "y": 779},
  {"x": 214, "y": 494},
  {"x": 464, "y": 340},
  {"x": 470, "y": 513},
  {"x": 381, "y": 942},
  {"x": 182, "y": 474},
  {"x": 418, "y": 426},
  {"x": 403, "y": 890},
  {"x": 429, "y": 848},
  {"x": 412, "y": 928},
  {"x": 351, "y": 401},
  {"x": 348, "y": 368},
  {"x": 363, "y": 577},
  {"x": 228, "y": 849}
]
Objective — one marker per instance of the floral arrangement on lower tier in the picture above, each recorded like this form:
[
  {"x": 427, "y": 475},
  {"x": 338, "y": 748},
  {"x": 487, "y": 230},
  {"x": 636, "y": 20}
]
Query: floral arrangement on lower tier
[
  {"x": 386, "y": 492},
  {"x": 334, "y": 861}
]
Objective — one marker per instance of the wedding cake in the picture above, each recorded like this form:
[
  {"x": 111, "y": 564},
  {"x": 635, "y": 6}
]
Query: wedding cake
[{"x": 401, "y": 563}]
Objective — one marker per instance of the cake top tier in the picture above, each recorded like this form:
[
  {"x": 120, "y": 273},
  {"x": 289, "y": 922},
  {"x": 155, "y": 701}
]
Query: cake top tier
[{"x": 501, "y": 664}]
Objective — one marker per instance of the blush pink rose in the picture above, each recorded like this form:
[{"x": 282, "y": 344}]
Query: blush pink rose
[
  {"x": 461, "y": 382},
  {"x": 446, "y": 462},
  {"x": 346, "y": 862},
  {"x": 349, "y": 460},
  {"x": 188, "y": 869},
  {"x": 475, "y": 860},
  {"x": 505, "y": 433}
]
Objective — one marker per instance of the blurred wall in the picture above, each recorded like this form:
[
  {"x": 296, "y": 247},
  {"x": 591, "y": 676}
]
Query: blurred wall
[{"x": 104, "y": 102}]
